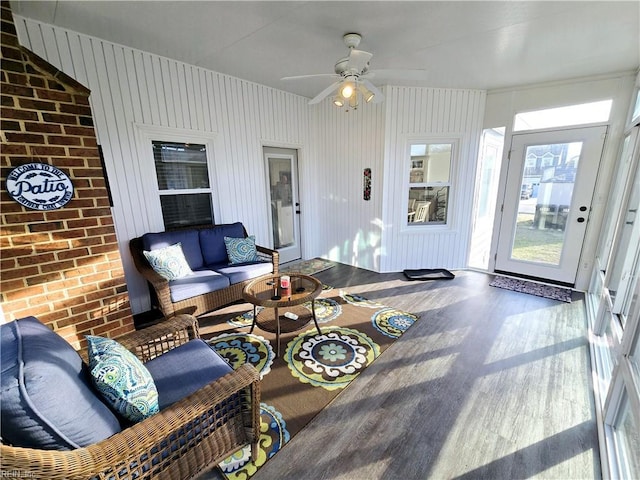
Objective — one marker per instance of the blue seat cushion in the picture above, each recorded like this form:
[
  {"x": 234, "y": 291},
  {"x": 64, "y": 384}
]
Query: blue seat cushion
[
  {"x": 214, "y": 250},
  {"x": 199, "y": 283},
  {"x": 188, "y": 238},
  {"x": 46, "y": 399},
  {"x": 243, "y": 271},
  {"x": 184, "y": 370}
]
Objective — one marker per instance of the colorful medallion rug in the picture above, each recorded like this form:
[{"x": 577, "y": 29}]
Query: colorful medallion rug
[
  {"x": 313, "y": 369},
  {"x": 308, "y": 267},
  {"x": 532, "y": 288}
]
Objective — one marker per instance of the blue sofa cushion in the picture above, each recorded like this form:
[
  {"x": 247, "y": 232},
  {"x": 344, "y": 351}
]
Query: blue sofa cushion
[
  {"x": 199, "y": 283},
  {"x": 214, "y": 250},
  {"x": 47, "y": 401},
  {"x": 245, "y": 271},
  {"x": 188, "y": 238},
  {"x": 184, "y": 370}
]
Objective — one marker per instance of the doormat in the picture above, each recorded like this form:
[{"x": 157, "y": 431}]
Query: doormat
[
  {"x": 308, "y": 267},
  {"x": 313, "y": 368},
  {"x": 532, "y": 288}
]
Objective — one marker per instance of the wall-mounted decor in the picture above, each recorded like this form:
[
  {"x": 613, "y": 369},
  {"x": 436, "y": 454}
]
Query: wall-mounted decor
[
  {"x": 367, "y": 184},
  {"x": 39, "y": 186}
]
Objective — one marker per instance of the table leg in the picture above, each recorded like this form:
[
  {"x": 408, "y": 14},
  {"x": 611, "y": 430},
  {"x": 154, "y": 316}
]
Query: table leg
[
  {"x": 255, "y": 319},
  {"x": 277, "y": 319},
  {"x": 313, "y": 313}
]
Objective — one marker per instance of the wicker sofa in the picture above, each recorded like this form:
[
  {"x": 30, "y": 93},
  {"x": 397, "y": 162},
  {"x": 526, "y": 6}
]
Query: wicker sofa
[
  {"x": 180, "y": 442},
  {"x": 215, "y": 282}
]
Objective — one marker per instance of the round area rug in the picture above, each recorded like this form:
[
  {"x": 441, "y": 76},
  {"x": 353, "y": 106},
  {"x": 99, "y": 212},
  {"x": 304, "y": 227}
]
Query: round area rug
[
  {"x": 392, "y": 322},
  {"x": 332, "y": 359},
  {"x": 273, "y": 436},
  {"x": 240, "y": 348}
]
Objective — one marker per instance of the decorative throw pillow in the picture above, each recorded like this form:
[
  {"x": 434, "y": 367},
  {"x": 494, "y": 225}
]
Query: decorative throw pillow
[
  {"x": 122, "y": 379},
  {"x": 241, "y": 250},
  {"x": 169, "y": 261}
]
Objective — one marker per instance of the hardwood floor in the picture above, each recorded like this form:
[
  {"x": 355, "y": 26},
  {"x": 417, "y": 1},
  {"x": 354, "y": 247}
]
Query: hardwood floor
[{"x": 488, "y": 384}]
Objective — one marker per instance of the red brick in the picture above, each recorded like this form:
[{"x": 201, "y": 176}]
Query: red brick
[
  {"x": 25, "y": 217},
  {"x": 85, "y": 152},
  {"x": 17, "y": 91},
  {"x": 36, "y": 259},
  {"x": 14, "y": 149},
  {"x": 53, "y": 95},
  {"x": 42, "y": 127},
  {"x": 57, "y": 266},
  {"x": 30, "y": 104},
  {"x": 46, "y": 278},
  {"x": 59, "y": 140},
  {"x": 60, "y": 118},
  {"x": 10, "y": 285},
  {"x": 18, "y": 114},
  {"x": 77, "y": 109},
  {"x": 63, "y": 214},
  {"x": 48, "y": 150},
  {"x": 23, "y": 273},
  {"x": 74, "y": 253},
  {"x": 82, "y": 131}
]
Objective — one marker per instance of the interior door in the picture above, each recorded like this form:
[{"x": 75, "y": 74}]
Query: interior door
[
  {"x": 284, "y": 205},
  {"x": 550, "y": 181}
]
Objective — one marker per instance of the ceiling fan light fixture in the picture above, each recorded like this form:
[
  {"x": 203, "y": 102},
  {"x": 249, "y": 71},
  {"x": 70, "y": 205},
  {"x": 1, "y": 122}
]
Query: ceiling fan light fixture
[
  {"x": 367, "y": 94},
  {"x": 338, "y": 101},
  {"x": 347, "y": 90}
]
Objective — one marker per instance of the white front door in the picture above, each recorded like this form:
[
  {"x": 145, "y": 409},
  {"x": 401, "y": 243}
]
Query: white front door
[
  {"x": 550, "y": 181},
  {"x": 284, "y": 205}
]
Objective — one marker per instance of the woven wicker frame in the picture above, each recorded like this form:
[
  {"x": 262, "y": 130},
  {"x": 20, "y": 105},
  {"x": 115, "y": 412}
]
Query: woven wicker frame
[
  {"x": 180, "y": 442},
  {"x": 202, "y": 303}
]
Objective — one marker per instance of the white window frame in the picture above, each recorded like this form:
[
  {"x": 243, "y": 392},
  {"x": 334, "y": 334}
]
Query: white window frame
[
  {"x": 146, "y": 135},
  {"x": 455, "y": 142}
]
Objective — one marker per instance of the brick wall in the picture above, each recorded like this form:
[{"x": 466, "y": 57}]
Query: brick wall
[{"x": 62, "y": 266}]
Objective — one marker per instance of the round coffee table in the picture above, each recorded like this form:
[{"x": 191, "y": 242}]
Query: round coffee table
[{"x": 283, "y": 311}]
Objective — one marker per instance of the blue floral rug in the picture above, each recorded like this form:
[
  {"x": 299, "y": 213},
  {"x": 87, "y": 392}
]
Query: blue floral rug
[
  {"x": 313, "y": 367},
  {"x": 532, "y": 288}
]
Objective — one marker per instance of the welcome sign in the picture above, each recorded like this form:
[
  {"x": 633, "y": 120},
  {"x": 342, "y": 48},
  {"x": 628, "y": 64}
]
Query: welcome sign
[{"x": 39, "y": 186}]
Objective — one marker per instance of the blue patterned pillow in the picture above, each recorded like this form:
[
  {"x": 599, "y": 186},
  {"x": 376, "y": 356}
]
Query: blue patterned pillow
[
  {"x": 122, "y": 380},
  {"x": 241, "y": 250},
  {"x": 169, "y": 261}
]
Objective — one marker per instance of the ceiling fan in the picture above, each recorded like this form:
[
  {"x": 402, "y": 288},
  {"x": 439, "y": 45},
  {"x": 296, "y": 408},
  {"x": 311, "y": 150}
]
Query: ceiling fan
[{"x": 352, "y": 74}]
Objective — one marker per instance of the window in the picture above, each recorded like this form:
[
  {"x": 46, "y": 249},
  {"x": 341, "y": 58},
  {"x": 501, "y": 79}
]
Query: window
[
  {"x": 429, "y": 172},
  {"x": 594, "y": 112},
  {"x": 183, "y": 183}
]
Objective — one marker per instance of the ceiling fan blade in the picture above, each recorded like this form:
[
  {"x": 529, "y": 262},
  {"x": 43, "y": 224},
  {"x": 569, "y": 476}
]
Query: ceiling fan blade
[
  {"x": 315, "y": 75},
  {"x": 378, "y": 96},
  {"x": 358, "y": 60},
  {"x": 326, "y": 92}
]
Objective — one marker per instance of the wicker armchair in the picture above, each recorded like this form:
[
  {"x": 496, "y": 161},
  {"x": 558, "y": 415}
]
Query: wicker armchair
[
  {"x": 161, "y": 295},
  {"x": 180, "y": 442}
]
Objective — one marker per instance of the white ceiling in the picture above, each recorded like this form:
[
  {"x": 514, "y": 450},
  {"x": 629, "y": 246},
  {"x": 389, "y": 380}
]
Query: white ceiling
[{"x": 458, "y": 44}]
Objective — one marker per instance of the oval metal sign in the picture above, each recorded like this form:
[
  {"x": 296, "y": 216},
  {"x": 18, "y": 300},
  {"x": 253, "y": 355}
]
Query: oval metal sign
[{"x": 39, "y": 186}]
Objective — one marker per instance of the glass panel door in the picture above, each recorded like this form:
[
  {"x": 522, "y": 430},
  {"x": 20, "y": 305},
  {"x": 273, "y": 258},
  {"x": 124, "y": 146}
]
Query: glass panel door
[
  {"x": 283, "y": 202},
  {"x": 550, "y": 182}
]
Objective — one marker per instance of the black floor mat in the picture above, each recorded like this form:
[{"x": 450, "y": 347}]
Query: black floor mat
[{"x": 429, "y": 274}]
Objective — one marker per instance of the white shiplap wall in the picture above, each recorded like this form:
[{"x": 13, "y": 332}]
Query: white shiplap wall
[
  {"x": 347, "y": 227},
  {"x": 414, "y": 113},
  {"x": 131, "y": 88}
]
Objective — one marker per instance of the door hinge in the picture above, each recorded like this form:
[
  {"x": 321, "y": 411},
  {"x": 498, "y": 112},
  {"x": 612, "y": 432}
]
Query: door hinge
[
  {"x": 502, "y": 208},
  {"x": 509, "y": 155}
]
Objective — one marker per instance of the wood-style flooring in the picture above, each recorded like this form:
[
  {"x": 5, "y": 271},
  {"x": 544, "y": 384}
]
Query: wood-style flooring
[{"x": 488, "y": 384}]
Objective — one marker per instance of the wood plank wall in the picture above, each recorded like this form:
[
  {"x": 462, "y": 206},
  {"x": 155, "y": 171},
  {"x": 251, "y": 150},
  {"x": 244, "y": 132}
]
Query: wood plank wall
[
  {"x": 130, "y": 87},
  {"x": 416, "y": 113}
]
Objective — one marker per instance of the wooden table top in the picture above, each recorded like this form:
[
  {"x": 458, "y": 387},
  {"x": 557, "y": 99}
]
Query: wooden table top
[{"x": 263, "y": 291}]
